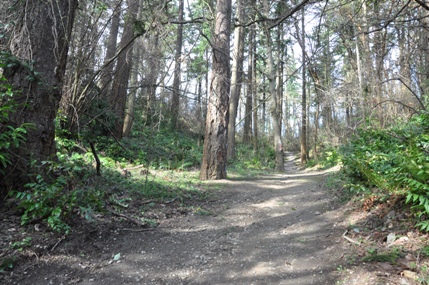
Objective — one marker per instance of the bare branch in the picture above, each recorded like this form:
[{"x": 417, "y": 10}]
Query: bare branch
[
  {"x": 397, "y": 102},
  {"x": 288, "y": 14},
  {"x": 391, "y": 19},
  {"x": 409, "y": 88},
  {"x": 199, "y": 20},
  {"x": 423, "y": 4}
]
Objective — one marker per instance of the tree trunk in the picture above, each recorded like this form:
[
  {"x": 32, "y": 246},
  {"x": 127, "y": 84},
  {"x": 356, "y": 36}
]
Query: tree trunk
[
  {"x": 177, "y": 78},
  {"x": 107, "y": 73},
  {"x": 39, "y": 43},
  {"x": 131, "y": 98},
  {"x": 118, "y": 95},
  {"x": 236, "y": 79},
  {"x": 251, "y": 93},
  {"x": 215, "y": 153},
  {"x": 153, "y": 54},
  {"x": 274, "y": 108},
  {"x": 424, "y": 55},
  {"x": 304, "y": 99}
]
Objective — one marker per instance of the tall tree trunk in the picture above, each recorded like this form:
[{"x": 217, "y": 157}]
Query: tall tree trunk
[
  {"x": 247, "y": 128},
  {"x": 118, "y": 95},
  {"x": 131, "y": 98},
  {"x": 177, "y": 74},
  {"x": 215, "y": 150},
  {"x": 279, "y": 75},
  {"x": 424, "y": 47},
  {"x": 304, "y": 98},
  {"x": 274, "y": 108},
  {"x": 107, "y": 73},
  {"x": 39, "y": 43},
  {"x": 252, "y": 80},
  {"x": 251, "y": 93},
  {"x": 236, "y": 78},
  {"x": 153, "y": 53}
]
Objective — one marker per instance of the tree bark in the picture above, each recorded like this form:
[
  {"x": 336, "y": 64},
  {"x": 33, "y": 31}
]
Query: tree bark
[
  {"x": 274, "y": 108},
  {"x": 215, "y": 149},
  {"x": 111, "y": 46},
  {"x": 131, "y": 98},
  {"x": 175, "y": 102},
  {"x": 118, "y": 95},
  {"x": 251, "y": 90},
  {"x": 39, "y": 43},
  {"x": 236, "y": 78},
  {"x": 304, "y": 98}
]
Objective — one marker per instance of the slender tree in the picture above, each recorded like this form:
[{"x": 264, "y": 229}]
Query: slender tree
[
  {"x": 236, "y": 77},
  {"x": 111, "y": 47},
  {"x": 274, "y": 101},
  {"x": 177, "y": 70},
  {"x": 118, "y": 94},
  {"x": 304, "y": 96},
  {"x": 251, "y": 86}
]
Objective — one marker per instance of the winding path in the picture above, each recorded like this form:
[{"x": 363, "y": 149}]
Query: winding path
[{"x": 274, "y": 229}]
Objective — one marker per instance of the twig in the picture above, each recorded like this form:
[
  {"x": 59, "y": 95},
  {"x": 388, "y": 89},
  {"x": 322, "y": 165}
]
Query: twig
[
  {"x": 97, "y": 160},
  {"x": 349, "y": 239},
  {"x": 134, "y": 220},
  {"x": 58, "y": 242}
]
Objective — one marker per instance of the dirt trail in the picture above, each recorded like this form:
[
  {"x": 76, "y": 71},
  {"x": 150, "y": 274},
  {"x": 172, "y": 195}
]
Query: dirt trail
[{"x": 275, "y": 229}]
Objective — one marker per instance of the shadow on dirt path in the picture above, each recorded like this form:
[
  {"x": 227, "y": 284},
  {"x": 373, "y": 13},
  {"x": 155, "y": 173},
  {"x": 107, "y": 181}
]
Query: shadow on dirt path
[{"x": 274, "y": 229}]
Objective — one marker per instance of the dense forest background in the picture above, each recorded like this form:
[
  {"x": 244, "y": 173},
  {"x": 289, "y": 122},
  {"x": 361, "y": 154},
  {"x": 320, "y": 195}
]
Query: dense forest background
[{"x": 88, "y": 85}]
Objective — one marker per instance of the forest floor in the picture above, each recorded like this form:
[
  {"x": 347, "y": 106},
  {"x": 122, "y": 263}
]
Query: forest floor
[{"x": 282, "y": 228}]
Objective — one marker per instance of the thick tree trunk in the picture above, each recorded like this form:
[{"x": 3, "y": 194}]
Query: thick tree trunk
[
  {"x": 39, "y": 43},
  {"x": 215, "y": 153}
]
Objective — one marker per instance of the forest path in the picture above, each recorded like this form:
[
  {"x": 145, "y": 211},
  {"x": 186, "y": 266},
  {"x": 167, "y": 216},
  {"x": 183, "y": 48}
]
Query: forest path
[{"x": 274, "y": 229}]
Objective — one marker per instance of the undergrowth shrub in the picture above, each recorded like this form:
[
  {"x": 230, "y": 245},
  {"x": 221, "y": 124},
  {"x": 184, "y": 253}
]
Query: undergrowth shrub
[
  {"x": 246, "y": 158},
  {"x": 162, "y": 149},
  {"x": 55, "y": 200},
  {"x": 328, "y": 158},
  {"x": 395, "y": 161}
]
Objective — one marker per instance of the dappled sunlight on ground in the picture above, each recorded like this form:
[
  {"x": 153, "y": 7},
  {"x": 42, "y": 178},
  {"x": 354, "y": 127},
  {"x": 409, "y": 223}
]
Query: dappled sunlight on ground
[{"x": 276, "y": 229}]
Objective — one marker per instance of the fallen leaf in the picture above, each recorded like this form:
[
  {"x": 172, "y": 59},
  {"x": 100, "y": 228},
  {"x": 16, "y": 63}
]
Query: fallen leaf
[{"x": 410, "y": 274}]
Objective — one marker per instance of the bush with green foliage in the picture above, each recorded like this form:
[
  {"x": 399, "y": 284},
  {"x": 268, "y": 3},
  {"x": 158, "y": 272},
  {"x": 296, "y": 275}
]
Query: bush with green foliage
[
  {"x": 161, "y": 149},
  {"x": 395, "y": 160},
  {"x": 73, "y": 188},
  {"x": 54, "y": 201}
]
